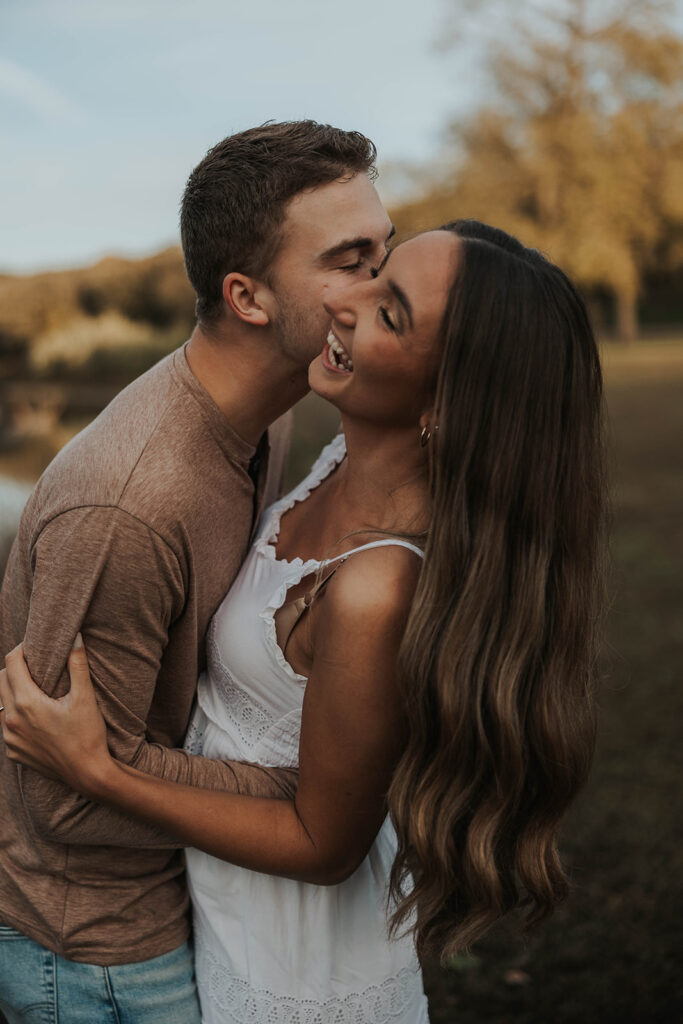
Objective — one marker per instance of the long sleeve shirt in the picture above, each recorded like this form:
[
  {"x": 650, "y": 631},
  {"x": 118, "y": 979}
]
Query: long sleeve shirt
[{"x": 133, "y": 535}]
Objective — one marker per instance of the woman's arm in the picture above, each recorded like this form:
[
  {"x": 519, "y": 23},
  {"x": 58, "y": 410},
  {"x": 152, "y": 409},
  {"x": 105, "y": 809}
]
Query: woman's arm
[{"x": 352, "y": 736}]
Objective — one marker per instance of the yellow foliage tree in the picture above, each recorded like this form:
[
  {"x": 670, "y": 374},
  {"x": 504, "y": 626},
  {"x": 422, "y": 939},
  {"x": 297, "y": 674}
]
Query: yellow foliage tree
[{"x": 580, "y": 152}]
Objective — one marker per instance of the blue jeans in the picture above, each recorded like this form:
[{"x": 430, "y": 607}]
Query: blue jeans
[{"x": 40, "y": 987}]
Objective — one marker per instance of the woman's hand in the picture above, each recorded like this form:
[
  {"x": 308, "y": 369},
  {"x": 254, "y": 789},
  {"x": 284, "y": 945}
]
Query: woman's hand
[{"x": 64, "y": 738}]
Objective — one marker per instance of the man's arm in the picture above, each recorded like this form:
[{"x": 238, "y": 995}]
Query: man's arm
[{"x": 103, "y": 571}]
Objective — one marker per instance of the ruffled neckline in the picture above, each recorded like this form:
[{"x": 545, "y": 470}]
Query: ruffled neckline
[
  {"x": 269, "y": 532},
  {"x": 292, "y": 571}
]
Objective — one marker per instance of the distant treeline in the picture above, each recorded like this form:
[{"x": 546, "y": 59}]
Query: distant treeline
[
  {"x": 577, "y": 145},
  {"x": 114, "y": 318}
]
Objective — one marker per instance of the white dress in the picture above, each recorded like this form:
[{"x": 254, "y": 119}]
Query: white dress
[{"x": 271, "y": 950}]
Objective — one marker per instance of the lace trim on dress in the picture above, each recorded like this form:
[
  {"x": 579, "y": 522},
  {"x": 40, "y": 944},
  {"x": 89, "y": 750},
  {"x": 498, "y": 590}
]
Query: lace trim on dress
[
  {"x": 280, "y": 746},
  {"x": 194, "y": 740},
  {"x": 250, "y": 718},
  {"x": 330, "y": 457},
  {"x": 266, "y": 543},
  {"x": 273, "y": 741},
  {"x": 377, "y": 1004}
]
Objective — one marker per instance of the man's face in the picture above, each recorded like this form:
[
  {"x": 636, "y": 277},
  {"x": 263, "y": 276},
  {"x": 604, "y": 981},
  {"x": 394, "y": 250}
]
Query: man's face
[{"x": 332, "y": 233}]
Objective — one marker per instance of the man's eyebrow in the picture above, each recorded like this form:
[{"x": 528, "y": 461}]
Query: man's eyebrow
[{"x": 402, "y": 298}]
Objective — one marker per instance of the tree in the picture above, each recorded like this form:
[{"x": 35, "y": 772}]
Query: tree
[{"x": 580, "y": 150}]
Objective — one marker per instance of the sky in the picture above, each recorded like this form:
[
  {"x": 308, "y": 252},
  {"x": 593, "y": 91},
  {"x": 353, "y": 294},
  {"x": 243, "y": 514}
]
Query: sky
[{"x": 105, "y": 107}]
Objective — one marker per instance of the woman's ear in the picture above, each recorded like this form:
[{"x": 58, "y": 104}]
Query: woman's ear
[
  {"x": 247, "y": 298},
  {"x": 428, "y": 419}
]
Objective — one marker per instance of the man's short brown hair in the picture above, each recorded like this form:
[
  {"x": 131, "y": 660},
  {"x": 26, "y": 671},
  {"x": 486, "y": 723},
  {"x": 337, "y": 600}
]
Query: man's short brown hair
[{"x": 235, "y": 199}]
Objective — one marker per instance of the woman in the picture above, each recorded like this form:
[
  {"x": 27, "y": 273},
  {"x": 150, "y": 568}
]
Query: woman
[{"x": 456, "y": 691}]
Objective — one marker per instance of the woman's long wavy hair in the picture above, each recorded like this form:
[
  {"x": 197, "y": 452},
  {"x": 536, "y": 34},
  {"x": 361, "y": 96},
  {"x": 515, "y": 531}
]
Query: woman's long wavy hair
[{"x": 499, "y": 656}]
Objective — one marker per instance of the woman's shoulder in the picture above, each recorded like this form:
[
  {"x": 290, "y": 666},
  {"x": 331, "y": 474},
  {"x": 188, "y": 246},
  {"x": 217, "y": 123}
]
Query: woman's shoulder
[
  {"x": 374, "y": 587},
  {"x": 360, "y": 620}
]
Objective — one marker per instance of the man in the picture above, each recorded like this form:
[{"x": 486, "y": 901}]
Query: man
[{"x": 133, "y": 535}]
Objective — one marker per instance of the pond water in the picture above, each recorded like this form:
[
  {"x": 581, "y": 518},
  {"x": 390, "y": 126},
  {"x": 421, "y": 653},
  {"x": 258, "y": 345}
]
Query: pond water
[{"x": 12, "y": 499}]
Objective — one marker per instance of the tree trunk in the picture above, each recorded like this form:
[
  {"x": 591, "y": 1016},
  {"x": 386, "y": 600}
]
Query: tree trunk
[{"x": 627, "y": 315}]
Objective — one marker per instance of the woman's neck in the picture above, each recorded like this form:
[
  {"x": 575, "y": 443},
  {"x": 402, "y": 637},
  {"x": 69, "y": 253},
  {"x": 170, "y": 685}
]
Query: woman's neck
[
  {"x": 384, "y": 480},
  {"x": 382, "y": 486}
]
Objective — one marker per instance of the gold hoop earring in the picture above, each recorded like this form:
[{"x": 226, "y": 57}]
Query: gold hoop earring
[{"x": 425, "y": 436}]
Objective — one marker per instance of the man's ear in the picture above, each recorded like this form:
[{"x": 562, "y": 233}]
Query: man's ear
[{"x": 247, "y": 298}]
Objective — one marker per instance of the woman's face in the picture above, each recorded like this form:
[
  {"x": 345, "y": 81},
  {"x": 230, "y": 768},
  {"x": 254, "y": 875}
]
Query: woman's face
[{"x": 383, "y": 350}]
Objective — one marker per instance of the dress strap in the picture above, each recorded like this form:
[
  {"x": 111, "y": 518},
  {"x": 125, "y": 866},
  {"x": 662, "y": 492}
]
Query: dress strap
[
  {"x": 289, "y": 614},
  {"x": 378, "y": 544}
]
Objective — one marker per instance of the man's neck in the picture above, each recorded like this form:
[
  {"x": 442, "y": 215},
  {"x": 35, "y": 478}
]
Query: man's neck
[{"x": 248, "y": 379}]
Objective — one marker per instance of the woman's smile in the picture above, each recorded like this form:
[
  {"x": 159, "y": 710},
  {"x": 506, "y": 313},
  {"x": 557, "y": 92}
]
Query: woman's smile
[{"x": 335, "y": 356}]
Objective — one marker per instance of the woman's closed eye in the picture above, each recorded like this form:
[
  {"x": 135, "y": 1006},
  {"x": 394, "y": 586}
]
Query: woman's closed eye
[{"x": 387, "y": 319}]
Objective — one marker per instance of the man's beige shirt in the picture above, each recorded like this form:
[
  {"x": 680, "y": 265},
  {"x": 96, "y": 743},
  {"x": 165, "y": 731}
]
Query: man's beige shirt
[{"x": 133, "y": 535}]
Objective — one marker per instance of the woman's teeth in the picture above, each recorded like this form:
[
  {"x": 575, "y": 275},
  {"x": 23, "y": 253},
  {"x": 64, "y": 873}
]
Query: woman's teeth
[{"x": 338, "y": 354}]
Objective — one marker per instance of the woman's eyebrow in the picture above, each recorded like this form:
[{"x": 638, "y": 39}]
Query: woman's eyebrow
[{"x": 397, "y": 291}]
